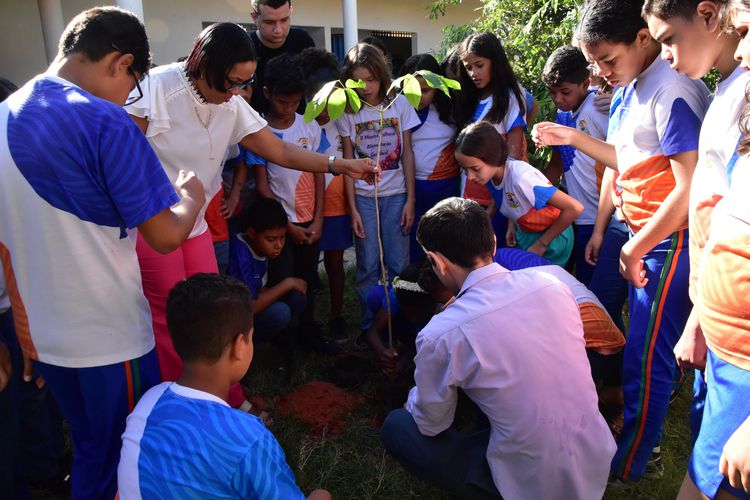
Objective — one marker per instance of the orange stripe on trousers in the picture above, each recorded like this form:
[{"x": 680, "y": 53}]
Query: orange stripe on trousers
[
  {"x": 657, "y": 324},
  {"x": 129, "y": 381}
]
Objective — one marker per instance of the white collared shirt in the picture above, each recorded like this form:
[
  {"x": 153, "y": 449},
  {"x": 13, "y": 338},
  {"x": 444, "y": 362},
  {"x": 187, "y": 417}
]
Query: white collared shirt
[{"x": 514, "y": 343}]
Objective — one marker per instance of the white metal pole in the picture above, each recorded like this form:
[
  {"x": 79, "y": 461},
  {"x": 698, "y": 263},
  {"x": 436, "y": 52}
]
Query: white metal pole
[
  {"x": 50, "y": 13},
  {"x": 134, "y": 6},
  {"x": 351, "y": 29}
]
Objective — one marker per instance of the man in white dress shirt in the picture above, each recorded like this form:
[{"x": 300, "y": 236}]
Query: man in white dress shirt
[{"x": 513, "y": 342}]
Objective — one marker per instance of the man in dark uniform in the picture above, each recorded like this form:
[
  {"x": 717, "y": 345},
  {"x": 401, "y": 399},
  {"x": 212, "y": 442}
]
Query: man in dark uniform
[{"x": 274, "y": 37}]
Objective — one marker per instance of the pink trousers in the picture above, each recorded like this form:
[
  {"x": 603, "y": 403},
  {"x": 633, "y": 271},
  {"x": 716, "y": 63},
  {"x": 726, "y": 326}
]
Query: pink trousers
[{"x": 159, "y": 273}]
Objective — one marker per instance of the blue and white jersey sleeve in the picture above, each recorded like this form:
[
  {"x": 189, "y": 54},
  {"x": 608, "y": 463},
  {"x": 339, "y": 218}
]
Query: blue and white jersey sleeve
[
  {"x": 95, "y": 177},
  {"x": 679, "y": 116},
  {"x": 514, "y": 118}
]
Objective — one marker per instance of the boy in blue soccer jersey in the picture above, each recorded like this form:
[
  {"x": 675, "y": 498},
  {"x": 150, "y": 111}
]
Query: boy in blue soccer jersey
[
  {"x": 249, "y": 256},
  {"x": 183, "y": 440}
]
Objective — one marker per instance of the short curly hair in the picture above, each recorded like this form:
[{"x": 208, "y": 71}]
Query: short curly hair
[
  {"x": 283, "y": 75},
  {"x": 205, "y": 313},
  {"x": 565, "y": 65}
]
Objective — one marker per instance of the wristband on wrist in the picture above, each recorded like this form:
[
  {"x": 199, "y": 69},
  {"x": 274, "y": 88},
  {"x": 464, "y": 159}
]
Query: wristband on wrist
[{"x": 331, "y": 170}]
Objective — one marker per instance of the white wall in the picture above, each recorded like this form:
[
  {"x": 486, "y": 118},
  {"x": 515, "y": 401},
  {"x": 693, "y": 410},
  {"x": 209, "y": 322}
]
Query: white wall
[
  {"x": 173, "y": 24},
  {"x": 21, "y": 41}
]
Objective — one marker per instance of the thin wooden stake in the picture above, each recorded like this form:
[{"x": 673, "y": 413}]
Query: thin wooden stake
[{"x": 383, "y": 271}]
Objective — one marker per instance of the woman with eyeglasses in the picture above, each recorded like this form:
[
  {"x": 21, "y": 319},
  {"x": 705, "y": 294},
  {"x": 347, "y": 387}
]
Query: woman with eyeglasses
[{"x": 191, "y": 113}]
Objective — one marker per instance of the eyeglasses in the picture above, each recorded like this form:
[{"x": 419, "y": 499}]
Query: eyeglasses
[
  {"x": 134, "y": 98},
  {"x": 131, "y": 99},
  {"x": 240, "y": 85}
]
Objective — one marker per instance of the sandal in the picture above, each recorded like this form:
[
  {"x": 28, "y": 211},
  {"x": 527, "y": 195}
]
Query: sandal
[{"x": 263, "y": 415}]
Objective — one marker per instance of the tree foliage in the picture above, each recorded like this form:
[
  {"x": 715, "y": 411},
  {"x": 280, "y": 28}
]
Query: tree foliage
[{"x": 529, "y": 31}]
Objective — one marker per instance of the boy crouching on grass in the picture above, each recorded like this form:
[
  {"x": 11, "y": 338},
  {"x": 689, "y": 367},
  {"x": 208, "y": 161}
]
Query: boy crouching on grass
[
  {"x": 513, "y": 342},
  {"x": 262, "y": 241},
  {"x": 183, "y": 440}
]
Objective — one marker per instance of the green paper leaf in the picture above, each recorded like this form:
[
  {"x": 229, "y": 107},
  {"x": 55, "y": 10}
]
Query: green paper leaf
[
  {"x": 412, "y": 90},
  {"x": 336, "y": 104},
  {"x": 354, "y": 102},
  {"x": 354, "y": 84}
]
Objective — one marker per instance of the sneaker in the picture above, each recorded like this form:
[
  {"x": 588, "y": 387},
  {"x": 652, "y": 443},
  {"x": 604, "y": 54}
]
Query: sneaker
[
  {"x": 654, "y": 467},
  {"x": 337, "y": 330}
]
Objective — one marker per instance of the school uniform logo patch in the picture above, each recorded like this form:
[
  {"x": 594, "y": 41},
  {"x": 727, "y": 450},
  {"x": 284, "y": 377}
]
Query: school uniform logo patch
[{"x": 512, "y": 200}]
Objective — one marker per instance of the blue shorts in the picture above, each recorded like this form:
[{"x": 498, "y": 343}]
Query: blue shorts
[
  {"x": 337, "y": 233},
  {"x": 727, "y": 407}
]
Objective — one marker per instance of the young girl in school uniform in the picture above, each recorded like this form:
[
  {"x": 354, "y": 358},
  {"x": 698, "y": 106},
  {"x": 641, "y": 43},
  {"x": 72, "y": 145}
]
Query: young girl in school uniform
[
  {"x": 362, "y": 134},
  {"x": 436, "y": 171},
  {"x": 490, "y": 91},
  {"x": 542, "y": 213}
]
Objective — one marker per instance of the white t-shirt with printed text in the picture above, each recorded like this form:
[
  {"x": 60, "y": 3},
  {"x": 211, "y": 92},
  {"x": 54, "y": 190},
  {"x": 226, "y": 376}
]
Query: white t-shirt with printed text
[{"x": 362, "y": 129}]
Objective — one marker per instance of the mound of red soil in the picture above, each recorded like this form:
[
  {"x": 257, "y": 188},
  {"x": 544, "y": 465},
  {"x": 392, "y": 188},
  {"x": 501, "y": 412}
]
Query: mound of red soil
[{"x": 320, "y": 404}]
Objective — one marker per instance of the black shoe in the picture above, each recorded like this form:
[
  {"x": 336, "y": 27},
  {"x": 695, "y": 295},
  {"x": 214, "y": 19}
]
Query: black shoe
[{"x": 337, "y": 330}]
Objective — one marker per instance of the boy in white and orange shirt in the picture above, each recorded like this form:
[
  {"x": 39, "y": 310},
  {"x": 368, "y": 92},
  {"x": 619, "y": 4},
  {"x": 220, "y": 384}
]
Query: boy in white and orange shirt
[{"x": 566, "y": 76}]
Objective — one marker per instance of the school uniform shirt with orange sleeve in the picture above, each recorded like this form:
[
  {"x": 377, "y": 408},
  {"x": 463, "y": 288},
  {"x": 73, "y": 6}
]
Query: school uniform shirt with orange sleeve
[
  {"x": 720, "y": 134},
  {"x": 660, "y": 116},
  {"x": 294, "y": 189},
  {"x": 599, "y": 331},
  {"x": 522, "y": 197},
  {"x": 432, "y": 141},
  {"x": 513, "y": 118}
]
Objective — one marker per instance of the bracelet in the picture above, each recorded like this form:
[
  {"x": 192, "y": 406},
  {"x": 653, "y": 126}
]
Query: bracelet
[{"x": 331, "y": 170}]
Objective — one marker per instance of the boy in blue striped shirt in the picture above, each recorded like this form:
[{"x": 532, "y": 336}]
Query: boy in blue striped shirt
[{"x": 183, "y": 440}]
